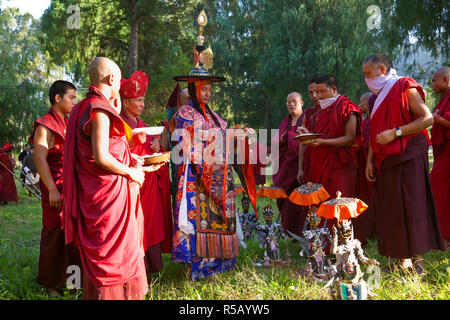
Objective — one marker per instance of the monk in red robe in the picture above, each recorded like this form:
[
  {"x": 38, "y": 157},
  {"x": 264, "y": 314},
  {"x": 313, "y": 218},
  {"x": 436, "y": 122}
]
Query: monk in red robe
[
  {"x": 101, "y": 214},
  {"x": 48, "y": 137},
  {"x": 292, "y": 217},
  {"x": 333, "y": 160},
  {"x": 440, "y": 138},
  {"x": 8, "y": 191},
  {"x": 407, "y": 224},
  {"x": 155, "y": 192},
  {"x": 304, "y": 172},
  {"x": 364, "y": 225}
]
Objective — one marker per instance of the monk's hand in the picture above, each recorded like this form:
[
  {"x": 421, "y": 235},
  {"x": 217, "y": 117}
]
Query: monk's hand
[
  {"x": 300, "y": 176},
  {"x": 370, "y": 172},
  {"x": 153, "y": 167},
  {"x": 55, "y": 198},
  {"x": 136, "y": 175},
  {"x": 302, "y": 130},
  {"x": 138, "y": 160},
  {"x": 316, "y": 142},
  {"x": 385, "y": 137},
  {"x": 155, "y": 146}
]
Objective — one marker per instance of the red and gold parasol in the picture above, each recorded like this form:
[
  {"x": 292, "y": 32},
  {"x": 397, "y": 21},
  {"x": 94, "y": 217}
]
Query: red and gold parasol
[
  {"x": 341, "y": 208},
  {"x": 309, "y": 194}
]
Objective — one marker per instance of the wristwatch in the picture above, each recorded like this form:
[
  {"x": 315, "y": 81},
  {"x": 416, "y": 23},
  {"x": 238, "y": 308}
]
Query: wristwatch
[{"x": 398, "y": 132}]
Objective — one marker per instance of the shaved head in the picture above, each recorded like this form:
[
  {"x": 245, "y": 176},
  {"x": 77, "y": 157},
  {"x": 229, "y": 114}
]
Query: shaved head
[
  {"x": 364, "y": 103},
  {"x": 443, "y": 72},
  {"x": 100, "y": 68},
  {"x": 105, "y": 74},
  {"x": 441, "y": 80}
]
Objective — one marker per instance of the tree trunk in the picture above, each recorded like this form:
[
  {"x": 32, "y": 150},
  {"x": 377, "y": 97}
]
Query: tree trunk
[{"x": 134, "y": 37}]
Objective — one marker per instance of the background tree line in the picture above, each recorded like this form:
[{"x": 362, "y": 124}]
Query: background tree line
[{"x": 265, "y": 49}]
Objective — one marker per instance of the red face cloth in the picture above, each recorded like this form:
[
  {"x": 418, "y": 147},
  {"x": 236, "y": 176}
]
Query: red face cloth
[{"x": 135, "y": 86}]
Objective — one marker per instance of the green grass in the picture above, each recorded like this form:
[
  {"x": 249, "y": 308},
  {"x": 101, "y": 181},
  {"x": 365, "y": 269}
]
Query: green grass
[{"x": 20, "y": 227}]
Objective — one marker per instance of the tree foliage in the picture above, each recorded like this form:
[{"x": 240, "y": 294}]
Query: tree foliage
[{"x": 25, "y": 73}]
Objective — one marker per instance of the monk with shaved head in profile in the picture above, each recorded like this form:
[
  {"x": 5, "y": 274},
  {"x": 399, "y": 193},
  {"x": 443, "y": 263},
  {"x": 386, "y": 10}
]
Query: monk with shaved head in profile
[
  {"x": 101, "y": 211},
  {"x": 440, "y": 138}
]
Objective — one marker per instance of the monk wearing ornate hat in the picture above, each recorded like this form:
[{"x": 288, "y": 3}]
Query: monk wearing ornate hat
[{"x": 155, "y": 192}]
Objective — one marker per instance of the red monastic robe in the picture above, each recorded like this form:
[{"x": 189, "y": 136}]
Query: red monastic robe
[
  {"x": 155, "y": 195},
  {"x": 8, "y": 186},
  {"x": 405, "y": 213},
  {"x": 100, "y": 215},
  {"x": 309, "y": 112},
  {"x": 336, "y": 168},
  {"x": 440, "y": 175},
  {"x": 52, "y": 217},
  {"x": 292, "y": 216},
  {"x": 54, "y": 255}
]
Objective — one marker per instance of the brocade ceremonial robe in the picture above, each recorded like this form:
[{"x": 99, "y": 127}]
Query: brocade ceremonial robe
[{"x": 205, "y": 211}]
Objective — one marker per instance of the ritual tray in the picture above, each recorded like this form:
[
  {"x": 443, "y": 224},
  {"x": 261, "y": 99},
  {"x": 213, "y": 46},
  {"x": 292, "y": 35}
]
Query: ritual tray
[
  {"x": 156, "y": 158},
  {"x": 307, "y": 136},
  {"x": 150, "y": 131}
]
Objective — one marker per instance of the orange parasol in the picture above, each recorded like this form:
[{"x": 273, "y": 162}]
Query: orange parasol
[
  {"x": 309, "y": 194},
  {"x": 341, "y": 208},
  {"x": 271, "y": 192}
]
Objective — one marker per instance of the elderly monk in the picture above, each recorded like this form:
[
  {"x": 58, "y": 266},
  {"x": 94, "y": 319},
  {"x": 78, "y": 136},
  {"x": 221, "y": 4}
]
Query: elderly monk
[
  {"x": 8, "y": 189},
  {"x": 155, "y": 192},
  {"x": 48, "y": 138},
  {"x": 101, "y": 210},
  {"x": 291, "y": 214},
  {"x": 440, "y": 138},
  {"x": 407, "y": 224}
]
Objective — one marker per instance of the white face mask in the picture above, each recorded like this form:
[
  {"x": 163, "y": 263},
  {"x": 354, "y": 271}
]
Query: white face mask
[
  {"x": 377, "y": 84},
  {"x": 325, "y": 103}
]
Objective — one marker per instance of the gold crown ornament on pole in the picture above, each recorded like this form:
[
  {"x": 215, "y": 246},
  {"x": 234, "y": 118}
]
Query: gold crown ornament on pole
[{"x": 203, "y": 56}]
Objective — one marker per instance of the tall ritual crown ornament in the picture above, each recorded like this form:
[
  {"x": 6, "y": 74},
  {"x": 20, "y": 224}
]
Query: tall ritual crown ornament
[{"x": 203, "y": 55}]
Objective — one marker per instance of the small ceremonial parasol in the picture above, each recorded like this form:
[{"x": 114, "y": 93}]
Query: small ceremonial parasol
[
  {"x": 341, "y": 208},
  {"x": 271, "y": 192},
  {"x": 309, "y": 194}
]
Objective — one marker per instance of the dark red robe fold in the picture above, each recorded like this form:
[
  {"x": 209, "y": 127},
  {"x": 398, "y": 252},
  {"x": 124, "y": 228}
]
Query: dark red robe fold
[
  {"x": 54, "y": 256},
  {"x": 156, "y": 203},
  {"x": 386, "y": 117},
  {"x": 440, "y": 174},
  {"x": 8, "y": 188},
  {"x": 405, "y": 212},
  {"x": 292, "y": 215},
  {"x": 99, "y": 214},
  {"x": 337, "y": 169}
]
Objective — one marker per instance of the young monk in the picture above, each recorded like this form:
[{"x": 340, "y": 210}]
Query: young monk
[
  {"x": 101, "y": 212},
  {"x": 48, "y": 138},
  {"x": 333, "y": 159},
  {"x": 406, "y": 219},
  {"x": 155, "y": 192},
  {"x": 440, "y": 138}
]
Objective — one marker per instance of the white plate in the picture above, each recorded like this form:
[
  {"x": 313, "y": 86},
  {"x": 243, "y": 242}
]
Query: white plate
[{"x": 150, "y": 131}]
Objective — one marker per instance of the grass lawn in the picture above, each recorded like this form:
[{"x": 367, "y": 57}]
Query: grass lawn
[{"x": 20, "y": 227}]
